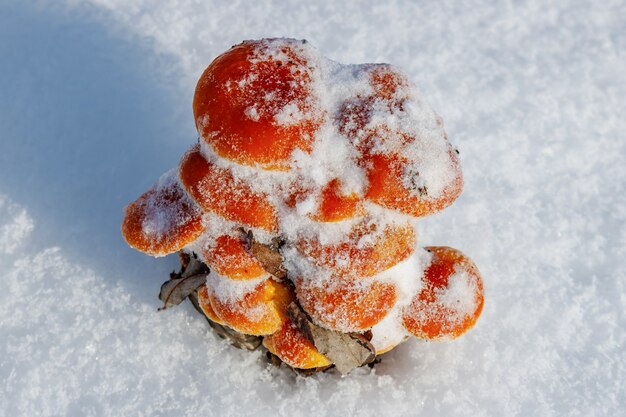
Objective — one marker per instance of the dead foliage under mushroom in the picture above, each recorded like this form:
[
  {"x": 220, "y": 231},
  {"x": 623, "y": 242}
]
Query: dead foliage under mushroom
[{"x": 347, "y": 351}]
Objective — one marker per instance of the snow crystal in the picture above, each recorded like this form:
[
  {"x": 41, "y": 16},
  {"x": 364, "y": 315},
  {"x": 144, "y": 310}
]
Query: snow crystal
[
  {"x": 289, "y": 115},
  {"x": 252, "y": 113}
]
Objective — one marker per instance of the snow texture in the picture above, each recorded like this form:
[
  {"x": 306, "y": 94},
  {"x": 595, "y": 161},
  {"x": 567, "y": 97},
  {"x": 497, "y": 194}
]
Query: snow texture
[{"x": 95, "y": 105}]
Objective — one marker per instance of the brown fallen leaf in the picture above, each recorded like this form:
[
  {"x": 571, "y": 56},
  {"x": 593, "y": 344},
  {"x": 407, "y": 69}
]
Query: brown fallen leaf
[
  {"x": 183, "y": 283},
  {"x": 346, "y": 350},
  {"x": 184, "y": 258},
  {"x": 239, "y": 340},
  {"x": 268, "y": 255}
]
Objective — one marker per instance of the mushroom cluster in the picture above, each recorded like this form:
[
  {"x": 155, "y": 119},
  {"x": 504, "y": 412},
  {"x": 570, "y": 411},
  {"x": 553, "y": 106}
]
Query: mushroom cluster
[{"x": 330, "y": 166}]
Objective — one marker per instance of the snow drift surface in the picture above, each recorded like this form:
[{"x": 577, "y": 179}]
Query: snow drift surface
[{"x": 531, "y": 93}]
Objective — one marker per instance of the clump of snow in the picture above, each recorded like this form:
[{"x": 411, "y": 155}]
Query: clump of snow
[
  {"x": 406, "y": 276},
  {"x": 16, "y": 228},
  {"x": 265, "y": 182},
  {"x": 167, "y": 207},
  {"x": 289, "y": 115},
  {"x": 389, "y": 332},
  {"x": 459, "y": 296},
  {"x": 252, "y": 113},
  {"x": 231, "y": 291}
]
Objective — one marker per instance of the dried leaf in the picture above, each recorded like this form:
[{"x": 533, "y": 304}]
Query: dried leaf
[
  {"x": 375, "y": 362},
  {"x": 268, "y": 255},
  {"x": 346, "y": 350},
  {"x": 239, "y": 340},
  {"x": 184, "y": 258},
  {"x": 182, "y": 284}
]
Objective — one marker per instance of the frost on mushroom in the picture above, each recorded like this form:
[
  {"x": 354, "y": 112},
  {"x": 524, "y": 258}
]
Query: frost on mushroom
[{"x": 302, "y": 196}]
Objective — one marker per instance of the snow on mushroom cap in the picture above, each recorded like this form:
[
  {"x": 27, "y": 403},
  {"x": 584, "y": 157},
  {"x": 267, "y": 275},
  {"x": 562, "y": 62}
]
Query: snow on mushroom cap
[
  {"x": 340, "y": 157},
  {"x": 163, "y": 219},
  {"x": 352, "y": 105}
]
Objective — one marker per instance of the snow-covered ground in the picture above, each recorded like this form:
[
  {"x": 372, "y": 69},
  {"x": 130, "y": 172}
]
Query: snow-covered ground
[{"x": 95, "y": 104}]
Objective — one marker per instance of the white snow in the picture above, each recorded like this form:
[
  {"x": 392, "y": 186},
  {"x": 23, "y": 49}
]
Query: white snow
[
  {"x": 16, "y": 226},
  {"x": 160, "y": 219},
  {"x": 459, "y": 296},
  {"x": 406, "y": 276},
  {"x": 252, "y": 113},
  {"x": 228, "y": 290},
  {"x": 95, "y": 105}
]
